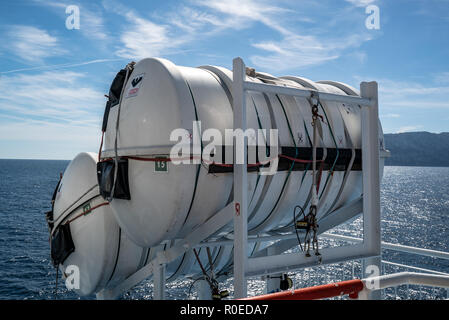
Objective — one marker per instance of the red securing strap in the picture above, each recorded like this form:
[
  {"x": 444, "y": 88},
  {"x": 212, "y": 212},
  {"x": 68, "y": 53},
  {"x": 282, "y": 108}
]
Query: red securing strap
[{"x": 87, "y": 211}]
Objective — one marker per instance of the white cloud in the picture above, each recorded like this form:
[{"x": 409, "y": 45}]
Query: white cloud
[
  {"x": 408, "y": 129},
  {"x": 390, "y": 115},
  {"x": 292, "y": 52},
  {"x": 394, "y": 94},
  {"x": 442, "y": 78},
  {"x": 92, "y": 24},
  {"x": 361, "y": 3},
  {"x": 54, "y": 113},
  {"x": 31, "y": 44},
  {"x": 46, "y": 140},
  {"x": 51, "y": 96},
  {"x": 239, "y": 11},
  {"x": 60, "y": 66},
  {"x": 296, "y": 49},
  {"x": 167, "y": 34},
  {"x": 144, "y": 38},
  {"x": 196, "y": 22},
  {"x": 91, "y": 20},
  {"x": 30, "y": 130},
  {"x": 387, "y": 86}
]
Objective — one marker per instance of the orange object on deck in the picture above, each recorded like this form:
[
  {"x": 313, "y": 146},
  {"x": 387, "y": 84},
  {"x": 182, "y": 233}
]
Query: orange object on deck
[{"x": 351, "y": 287}]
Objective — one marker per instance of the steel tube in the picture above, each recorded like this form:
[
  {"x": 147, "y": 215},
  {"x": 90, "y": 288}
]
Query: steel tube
[{"x": 351, "y": 287}]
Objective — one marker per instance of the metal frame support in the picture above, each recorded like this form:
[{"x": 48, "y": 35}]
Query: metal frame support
[
  {"x": 371, "y": 246},
  {"x": 372, "y": 266},
  {"x": 272, "y": 282},
  {"x": 202, "y": 287},
  {"x": 370, "y": 169},
  {"x": 159, "y": 282},
  {"x": 240, "y": 183}
]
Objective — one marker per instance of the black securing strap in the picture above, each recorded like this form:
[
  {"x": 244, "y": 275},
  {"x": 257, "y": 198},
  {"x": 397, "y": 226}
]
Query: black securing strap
[
  {"x": 114, "y": 95},
  {"x": 61, "y": 244},
  {"x": 303, "y": 153},
  {"x": 105, "y": 175},
  {"x": 49, "y": 216}
]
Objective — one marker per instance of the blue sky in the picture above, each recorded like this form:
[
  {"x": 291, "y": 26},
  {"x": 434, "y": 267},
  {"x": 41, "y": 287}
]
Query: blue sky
[{"x": 53, "y": 80}]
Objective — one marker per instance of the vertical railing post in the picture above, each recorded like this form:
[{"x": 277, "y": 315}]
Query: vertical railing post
[
  {"x": 273, "y": 281},
  {"x": 159, "y": 282},
  {"x": 240, "y": 183},
  {"x": 203, "y": 289},
  {"x": 371, "y": 179}
]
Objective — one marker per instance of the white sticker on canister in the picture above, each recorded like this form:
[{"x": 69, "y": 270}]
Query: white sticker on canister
[{"x": 134, "y": 87}]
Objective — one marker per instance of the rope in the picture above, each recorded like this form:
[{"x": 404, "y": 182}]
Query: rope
[
  {"x": 266, "y": 152},
  {"x": 287, "y": 157},
  {"x": 211, "y": 262},
  {"x": 101, "y": 146},
  {"x": 63, "y": 215},
  {"x": 212, "y": 282},
  {"x": 56, "y": 284},
  {"x": 310, "y": 142},
  {"x": 87, "y": 212},
  {"x": 294, "y": 222},
  {"x": 331, "y": 171},
  {"x": 199, "y": 166},
  {"x": 158, "y": 159}
]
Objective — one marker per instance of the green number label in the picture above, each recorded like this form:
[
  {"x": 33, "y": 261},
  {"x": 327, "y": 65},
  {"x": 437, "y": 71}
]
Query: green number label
[
  {"x": 86, "y": 208},
  {"x": 161, "y": 166}
]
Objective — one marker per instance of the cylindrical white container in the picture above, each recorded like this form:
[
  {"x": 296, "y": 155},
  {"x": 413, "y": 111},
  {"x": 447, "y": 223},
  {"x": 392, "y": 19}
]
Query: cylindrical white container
[
  {"x": 160, "y": 97},
  {"x": 103, "y": 254}
]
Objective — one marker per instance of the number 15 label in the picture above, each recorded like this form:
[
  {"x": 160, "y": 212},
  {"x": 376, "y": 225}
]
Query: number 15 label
[{"x": 161, "y": 166}]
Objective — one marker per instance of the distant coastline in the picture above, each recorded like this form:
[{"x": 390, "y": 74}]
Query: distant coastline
[
  {"x": 409, "y": 149},
  {"x": 418, "y": 149}
]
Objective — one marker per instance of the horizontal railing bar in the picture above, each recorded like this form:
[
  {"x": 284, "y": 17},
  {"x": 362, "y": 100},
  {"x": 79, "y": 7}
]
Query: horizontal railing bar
[
  {"x": 345, "y": 99},
  {"x": 270, "y": 88},
  {"x": 402, "y": 278},
  {"x": 413, "y": 278},
  {"x": 385, "y": 245},
  {"x": 293, "y": 261},
  {"x": 250, "y": 240},
  {"x": 305, "y": 93},
  {"x": 396, "y": 247},
  {"x": 414, "y": 268}
]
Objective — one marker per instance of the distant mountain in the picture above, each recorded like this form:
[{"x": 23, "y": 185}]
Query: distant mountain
[{"x": 423, "y": 149}]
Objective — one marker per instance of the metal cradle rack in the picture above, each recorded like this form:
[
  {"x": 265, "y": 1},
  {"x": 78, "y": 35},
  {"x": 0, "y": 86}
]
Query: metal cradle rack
[{"x": 274, "y": 260}]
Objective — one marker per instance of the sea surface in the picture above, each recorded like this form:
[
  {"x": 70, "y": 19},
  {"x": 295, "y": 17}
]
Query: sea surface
[{"x": 415, "y": 212}]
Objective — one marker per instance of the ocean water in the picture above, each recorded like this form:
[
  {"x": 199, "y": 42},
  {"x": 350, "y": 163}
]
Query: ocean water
[{"x": 415, "y": 212}]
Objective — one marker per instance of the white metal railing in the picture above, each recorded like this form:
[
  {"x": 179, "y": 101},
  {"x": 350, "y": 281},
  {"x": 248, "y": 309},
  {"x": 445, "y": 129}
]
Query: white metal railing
[
  {"x": 405, "y": 249},
  {"x": 412, "y": 291},
  {"x": 307, "y": 93},
  {"x": 394, "y": 246},
  {"x": 402, "y": 278},
  {"x": 314, "y": 275},
  {"x": 319, "y": 275},
  {"x": 370, "y": 247}
]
